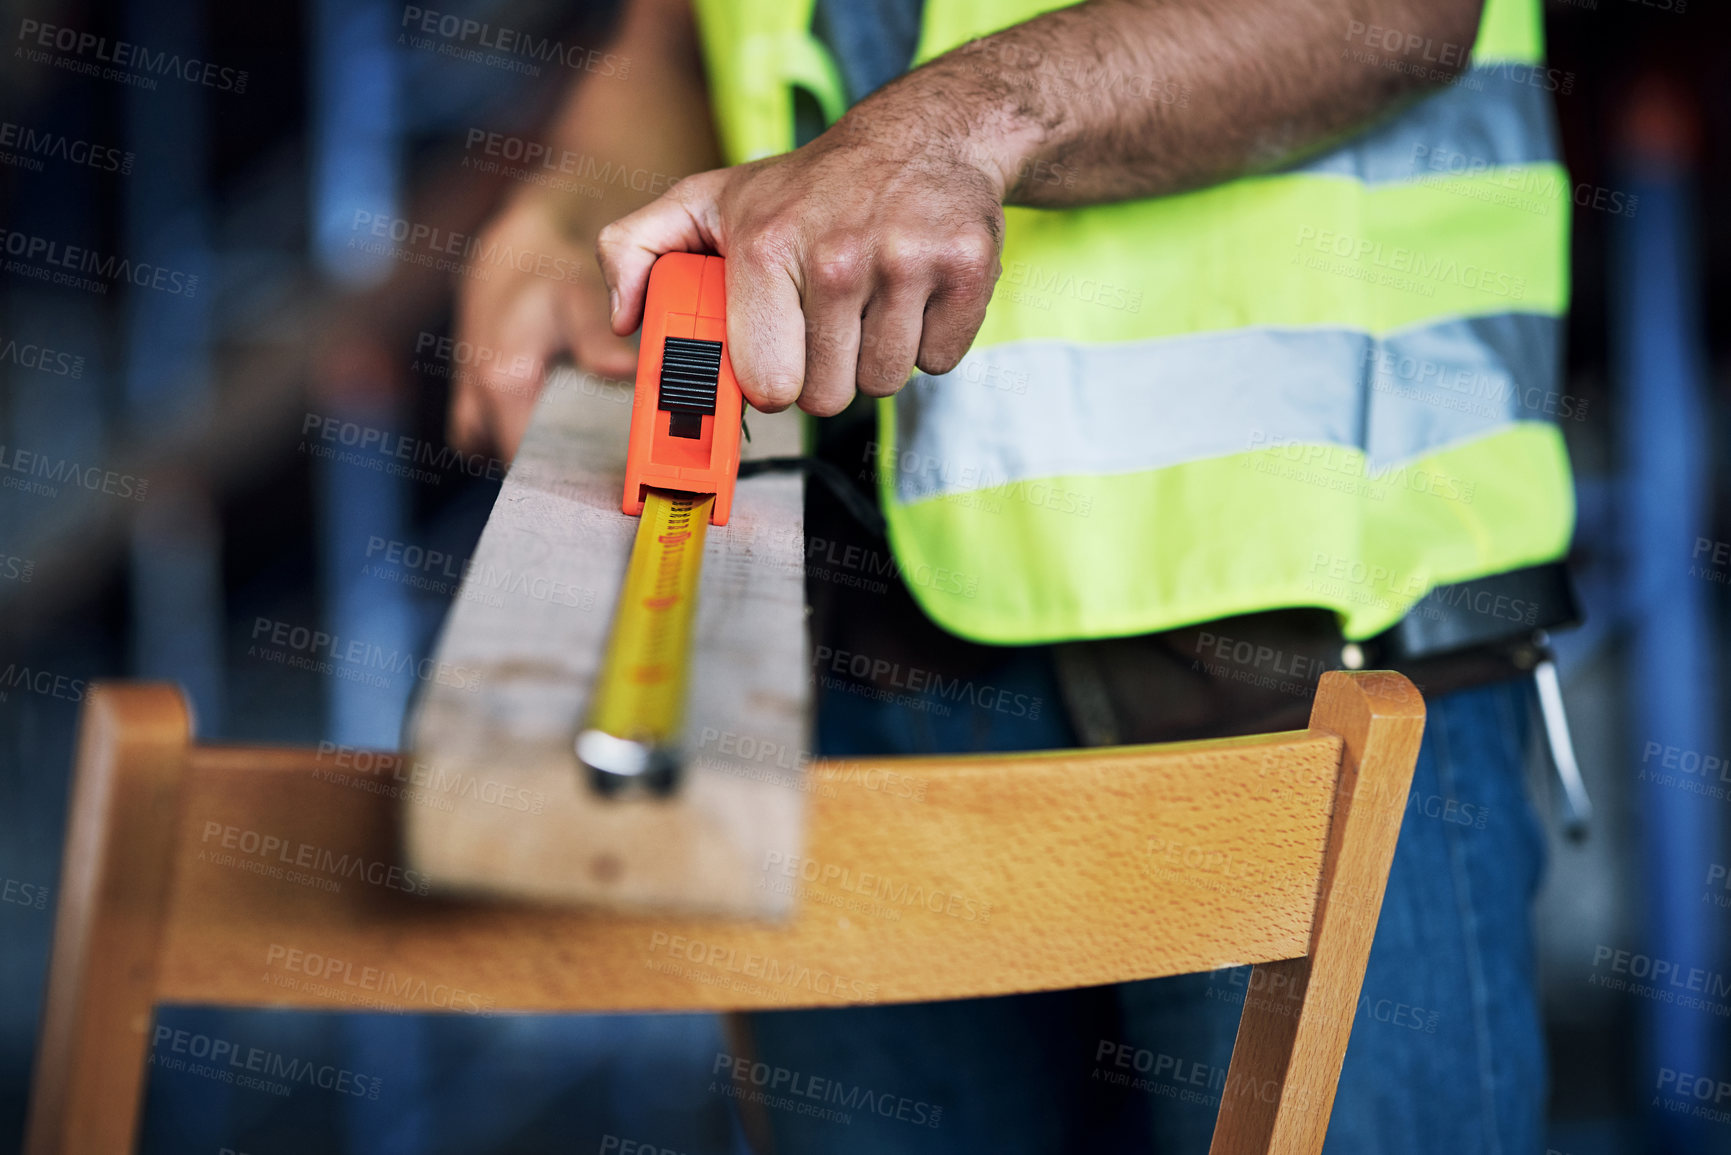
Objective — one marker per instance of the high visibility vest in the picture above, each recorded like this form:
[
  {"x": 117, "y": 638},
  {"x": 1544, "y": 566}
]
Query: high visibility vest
[{"x": 1332, "y": 385}]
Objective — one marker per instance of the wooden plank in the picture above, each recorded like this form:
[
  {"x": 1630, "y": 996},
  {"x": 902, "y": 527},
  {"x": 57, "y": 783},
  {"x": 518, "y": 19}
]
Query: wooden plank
[
  {"x": 109, "y": 921},
  {"x": 520, "y": 650},
  {"x": 924, "y": 879},
  {"x": 1286, "y": 1062}
]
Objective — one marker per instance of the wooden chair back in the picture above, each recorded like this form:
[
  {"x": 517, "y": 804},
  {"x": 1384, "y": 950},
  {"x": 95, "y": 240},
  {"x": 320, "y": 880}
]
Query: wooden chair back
[{"x": 191, "y": 870}]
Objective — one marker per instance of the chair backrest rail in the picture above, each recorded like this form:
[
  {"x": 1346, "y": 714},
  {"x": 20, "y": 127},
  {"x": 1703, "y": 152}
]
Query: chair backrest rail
[{"x": 1018, "y": 873}]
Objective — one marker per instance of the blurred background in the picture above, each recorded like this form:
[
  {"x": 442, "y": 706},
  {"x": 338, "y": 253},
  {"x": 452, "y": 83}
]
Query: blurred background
[{"x": 198, "y": 420}]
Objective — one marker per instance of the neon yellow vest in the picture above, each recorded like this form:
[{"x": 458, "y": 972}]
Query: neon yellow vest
[{"x": 1329, "y": 386}]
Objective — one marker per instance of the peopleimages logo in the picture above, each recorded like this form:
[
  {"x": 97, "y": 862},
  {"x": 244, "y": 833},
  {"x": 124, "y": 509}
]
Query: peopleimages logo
[
  {"x": 778, "y": 975},
  {"x": 796, "y": 1091},
  {"x": 881, "y": 672},
  {"x": 465, "y": 253},
  {"x": 419, "y": 568},
  {"x": 538, "y": 155},
  {"x": 27, "y": 147},
  {"x": 362, "y": 765},
  {"x": 369, "y": 985},
  {"x": 1665, "y": 975},
  {"x": 1694, "y": 771},
  {"x": 455, "y": 358},
  {"x": 1369, "y": 259},
  {"x": 225, "y": 1061},
  {"x": 1454, "y": 386},
  {"x": 497, "y": 45},
  {"x": 878, "y": 887},
  {"x": 24, "y": 894},
  {"x": 1185, "y": 1080},
  {"x": 45, "y": 683},
  {"x": 1534, "y": 189},
  {"x": 1043, "y": 283},
  {"x": 373, "y": 444},
  {"x": 36, "y": 470},
  {"x": 42, "y": 259},
  {"x": 1682, "y": 1092},
  {"x": 42, "y": 359},
  {"x": 838, "y": 561},
  {"x": 128, "y": 61},
  {"x": 301, "y": 647},
  {"x": 272, "y": 852}
]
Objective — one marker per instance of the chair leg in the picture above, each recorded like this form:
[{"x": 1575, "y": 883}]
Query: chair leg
[
  {"x": 114, "y": 885},
  {"x": 1285, "y": 1066}
]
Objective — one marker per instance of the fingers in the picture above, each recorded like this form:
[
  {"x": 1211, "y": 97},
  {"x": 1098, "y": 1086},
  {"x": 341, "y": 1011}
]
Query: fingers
[
  {"x": 957, "y": 307},
  {"x": 508, "y": 421},
  {"x": 495, "y": 393},
  {"x": 836, "y": 289},
  {"x": 817, "y": 308},
  {"x": 466, "y": 427},
  {"x": 679, "y": 221},
  {"x": 832, "y": 343},
  {"x": 765, "y": 324},
  {"x": 864, "y": 320},
  {"x": 490, "y": 411},
  {"x": 890, "y": 340},
  {"x": 466, "y": 422}
]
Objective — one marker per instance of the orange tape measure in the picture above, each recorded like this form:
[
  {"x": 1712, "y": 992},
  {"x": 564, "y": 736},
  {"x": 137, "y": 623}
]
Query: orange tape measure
[{"x": 680, "y": 468}]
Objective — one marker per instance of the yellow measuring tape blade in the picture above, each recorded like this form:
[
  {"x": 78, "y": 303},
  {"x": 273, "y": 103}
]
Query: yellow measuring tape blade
[{"x": 639, "y": 693}]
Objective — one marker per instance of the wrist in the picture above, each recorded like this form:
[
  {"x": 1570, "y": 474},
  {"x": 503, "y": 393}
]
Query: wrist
[{"x": 954, "y": 110}]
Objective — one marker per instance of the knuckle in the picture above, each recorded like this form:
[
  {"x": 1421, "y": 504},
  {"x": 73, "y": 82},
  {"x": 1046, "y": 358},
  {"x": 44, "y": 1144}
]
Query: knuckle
[
  {"x": 901, "y": 257},
  {"x": 837, "y": 265},
  {"x": 971, "y": 261},
  {"x": 765, "y": 247}
]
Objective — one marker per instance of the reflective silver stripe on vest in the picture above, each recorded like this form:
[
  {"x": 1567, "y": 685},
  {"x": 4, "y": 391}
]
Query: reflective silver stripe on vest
[
  {"x": 1493, "y": 116},
  {"x": 1035, "y": 409}
]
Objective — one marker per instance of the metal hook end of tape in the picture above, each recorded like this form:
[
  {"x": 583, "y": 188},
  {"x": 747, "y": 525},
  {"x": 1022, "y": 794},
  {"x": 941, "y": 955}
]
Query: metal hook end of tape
[{"x": 618, "y": 767}]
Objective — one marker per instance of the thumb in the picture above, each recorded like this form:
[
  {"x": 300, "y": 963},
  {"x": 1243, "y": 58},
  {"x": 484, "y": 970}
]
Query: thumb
[{"x": 679, "y": 221}]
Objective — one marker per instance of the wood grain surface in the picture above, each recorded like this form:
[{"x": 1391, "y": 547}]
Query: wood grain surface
[
  {"x": 520, "y": 650},
  {"x": 1292, "y": 1038},
  {"x": 115, "y": 882},
  {"x": 920, "y": 879}
]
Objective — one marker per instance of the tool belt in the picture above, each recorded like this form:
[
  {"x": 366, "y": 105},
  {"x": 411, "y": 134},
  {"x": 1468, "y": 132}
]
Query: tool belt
[{"x": 1258, "y": 672}]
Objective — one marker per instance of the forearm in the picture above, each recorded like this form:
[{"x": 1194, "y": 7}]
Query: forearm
[
  {"x": 625, "y": 140},
  {"x": 1118, "y": 99}
]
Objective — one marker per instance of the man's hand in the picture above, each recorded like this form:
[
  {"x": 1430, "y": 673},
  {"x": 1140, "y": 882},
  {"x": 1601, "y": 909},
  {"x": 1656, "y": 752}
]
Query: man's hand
[
  {"x": 517, "y": 321},
  {"x": 849, "y": 262},
  {"x": 874, "y": 248}
]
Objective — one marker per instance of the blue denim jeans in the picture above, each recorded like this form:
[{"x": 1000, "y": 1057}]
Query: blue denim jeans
[{"x": 1446, "y": 1053}]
